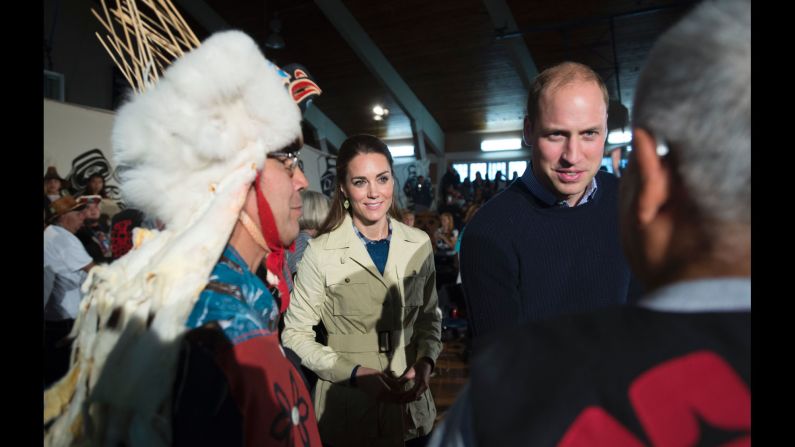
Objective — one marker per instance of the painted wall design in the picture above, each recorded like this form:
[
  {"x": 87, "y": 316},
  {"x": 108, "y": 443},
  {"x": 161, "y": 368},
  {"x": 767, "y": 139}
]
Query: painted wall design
[{"x": 89, "y": 163}]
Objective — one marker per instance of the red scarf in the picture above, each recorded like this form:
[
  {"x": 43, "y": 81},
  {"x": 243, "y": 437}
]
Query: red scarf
[{"x": 275, "y": 260}]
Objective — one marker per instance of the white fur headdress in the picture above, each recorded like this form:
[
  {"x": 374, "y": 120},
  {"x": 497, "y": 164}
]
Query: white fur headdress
[
  {"x": 216, "y": 109},
  {"x": 188, "y": 149}
]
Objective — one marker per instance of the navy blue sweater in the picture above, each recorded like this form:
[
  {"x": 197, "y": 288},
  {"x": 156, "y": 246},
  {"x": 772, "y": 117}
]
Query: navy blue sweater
[{"x": 522, "y": 260}]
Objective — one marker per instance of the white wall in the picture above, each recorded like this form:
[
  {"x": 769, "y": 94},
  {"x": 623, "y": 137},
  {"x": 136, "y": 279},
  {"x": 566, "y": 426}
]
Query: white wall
[
  {"x": 70, "y": 130},
  {"x": 317, "y": 165}
]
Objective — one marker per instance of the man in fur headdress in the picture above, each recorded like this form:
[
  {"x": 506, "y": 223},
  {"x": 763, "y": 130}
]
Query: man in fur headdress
[{"x": 177, "y": 342}]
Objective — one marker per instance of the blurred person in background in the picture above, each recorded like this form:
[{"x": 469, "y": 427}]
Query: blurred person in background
[{"x": 315, "y": 209}]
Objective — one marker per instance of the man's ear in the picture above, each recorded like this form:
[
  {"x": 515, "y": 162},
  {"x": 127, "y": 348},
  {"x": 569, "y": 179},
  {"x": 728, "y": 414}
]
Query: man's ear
[
  {"x": 654, "y": 177},
  {"x": 250, "y": 205},
  {"x": 527, "y": 132}
]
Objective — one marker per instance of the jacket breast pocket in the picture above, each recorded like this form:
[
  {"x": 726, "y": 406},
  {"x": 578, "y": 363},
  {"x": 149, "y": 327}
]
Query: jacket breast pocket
[
  {"x": 414, "y": 289},
  {"x": 349, "y": 297}
]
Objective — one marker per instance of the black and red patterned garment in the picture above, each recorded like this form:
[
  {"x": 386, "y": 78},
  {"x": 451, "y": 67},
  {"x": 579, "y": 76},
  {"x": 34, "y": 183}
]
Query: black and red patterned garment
[
  {"x": 121, "y": 230},
  {"x": 235, "y": 386},
  {"x": 673, "y": 371}
]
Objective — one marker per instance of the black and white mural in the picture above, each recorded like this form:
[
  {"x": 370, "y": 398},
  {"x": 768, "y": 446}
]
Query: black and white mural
[
  {"x": 406, "y": 173},
  {"x": 88, "y": 164}
]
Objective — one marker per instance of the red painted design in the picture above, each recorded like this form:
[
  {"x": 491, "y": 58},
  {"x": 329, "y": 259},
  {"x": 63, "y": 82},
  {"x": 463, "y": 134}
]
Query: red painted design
[
  {"x": 303, "y": 88},
  {"x": 595, "y": 427},
  {"x": 258, "y": 374},
  {"x": 670, "y": 400},
  {"x": 121, "y": 238}
]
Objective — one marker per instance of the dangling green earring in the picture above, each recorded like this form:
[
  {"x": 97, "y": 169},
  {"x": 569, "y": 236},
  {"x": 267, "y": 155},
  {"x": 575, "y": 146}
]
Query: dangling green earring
[{"x": 346, "y": 204}]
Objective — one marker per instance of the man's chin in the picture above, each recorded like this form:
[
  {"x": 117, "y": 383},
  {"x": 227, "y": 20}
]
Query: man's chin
[
  {"x": 288, "y": 237},
  {"x": 569, "y": 189}
]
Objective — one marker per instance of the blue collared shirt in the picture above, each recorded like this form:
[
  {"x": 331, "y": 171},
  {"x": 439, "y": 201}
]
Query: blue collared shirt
[
  {"x": 237, "y": 299},
  {"x": 546, "y": 196},
  {"x": 366, "y": 241}
]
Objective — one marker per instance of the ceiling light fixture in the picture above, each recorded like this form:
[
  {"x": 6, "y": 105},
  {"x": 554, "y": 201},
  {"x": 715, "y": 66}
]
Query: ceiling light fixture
[{"x": 379, "y": 113}]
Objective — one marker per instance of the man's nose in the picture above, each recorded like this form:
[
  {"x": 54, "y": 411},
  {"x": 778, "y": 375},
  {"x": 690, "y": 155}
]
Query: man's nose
[
  {"x": 299, "y": 179},
  {"x": 572, "y": 153}
]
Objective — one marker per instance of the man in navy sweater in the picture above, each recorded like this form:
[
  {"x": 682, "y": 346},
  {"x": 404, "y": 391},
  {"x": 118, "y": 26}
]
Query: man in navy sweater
[
  {"x": 676, "y": 368},
  {"x": 549, "y": 244}
]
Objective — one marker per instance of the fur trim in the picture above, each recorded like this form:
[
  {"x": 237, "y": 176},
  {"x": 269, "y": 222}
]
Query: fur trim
[{"x": 218, "y": 108}]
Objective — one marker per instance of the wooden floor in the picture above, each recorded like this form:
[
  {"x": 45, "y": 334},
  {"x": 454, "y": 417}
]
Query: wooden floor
[{"x": 449, "y": 376}]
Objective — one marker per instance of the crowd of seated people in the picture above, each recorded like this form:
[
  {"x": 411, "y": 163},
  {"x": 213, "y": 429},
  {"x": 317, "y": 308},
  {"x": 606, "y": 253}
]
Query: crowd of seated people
[
  {"x": 445, "y": 222},
  {"x": 82, "y": 228},
  {"x": 456, "y": 204}
]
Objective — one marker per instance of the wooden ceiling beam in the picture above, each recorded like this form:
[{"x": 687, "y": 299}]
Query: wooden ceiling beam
[
  {"x": 325, "y": 128},
  {"x": 503, "y": 20},
  {"x": 372, "y": 57}
]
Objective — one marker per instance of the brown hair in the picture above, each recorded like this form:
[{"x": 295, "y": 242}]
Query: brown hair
[
  {"x": 449, "y": 216},
  {"x": 350, "y": 148},
  {"x": 102, "y": 192}
]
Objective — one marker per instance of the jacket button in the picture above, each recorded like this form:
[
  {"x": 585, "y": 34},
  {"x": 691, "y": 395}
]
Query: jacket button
[
  {"x": 342, "y": 260},
  {"x": 347, "y": 280}
]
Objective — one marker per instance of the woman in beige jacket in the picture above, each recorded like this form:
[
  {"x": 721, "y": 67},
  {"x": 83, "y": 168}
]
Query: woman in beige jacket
[{"x": 371, "y": 281}]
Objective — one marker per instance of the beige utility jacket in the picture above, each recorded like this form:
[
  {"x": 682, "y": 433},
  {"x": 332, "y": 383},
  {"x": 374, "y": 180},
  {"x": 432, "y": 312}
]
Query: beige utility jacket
[{"x": 338, "y": 284}]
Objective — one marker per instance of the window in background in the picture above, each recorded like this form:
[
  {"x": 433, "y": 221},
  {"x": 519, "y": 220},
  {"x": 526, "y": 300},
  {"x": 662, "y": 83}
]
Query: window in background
[
  {"x": 607, "y": 162},
  {"x": 462, "y": 169},
  {"x": 474, "y": 168},
  {"x": 494, "y": 167},
  {"x": 518, "y": 166}
]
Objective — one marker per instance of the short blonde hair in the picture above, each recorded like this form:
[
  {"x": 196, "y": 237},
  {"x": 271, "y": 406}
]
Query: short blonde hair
[{"x": 316, "y": 206}]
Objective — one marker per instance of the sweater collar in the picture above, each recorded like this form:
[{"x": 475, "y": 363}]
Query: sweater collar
[{"x": 546, "y": 196}]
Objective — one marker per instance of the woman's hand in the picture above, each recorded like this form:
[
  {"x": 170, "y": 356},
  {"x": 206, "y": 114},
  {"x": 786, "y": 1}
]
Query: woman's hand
[
  {"x": 378, "y": 385},
  {"x": 420, "y": 373}
]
